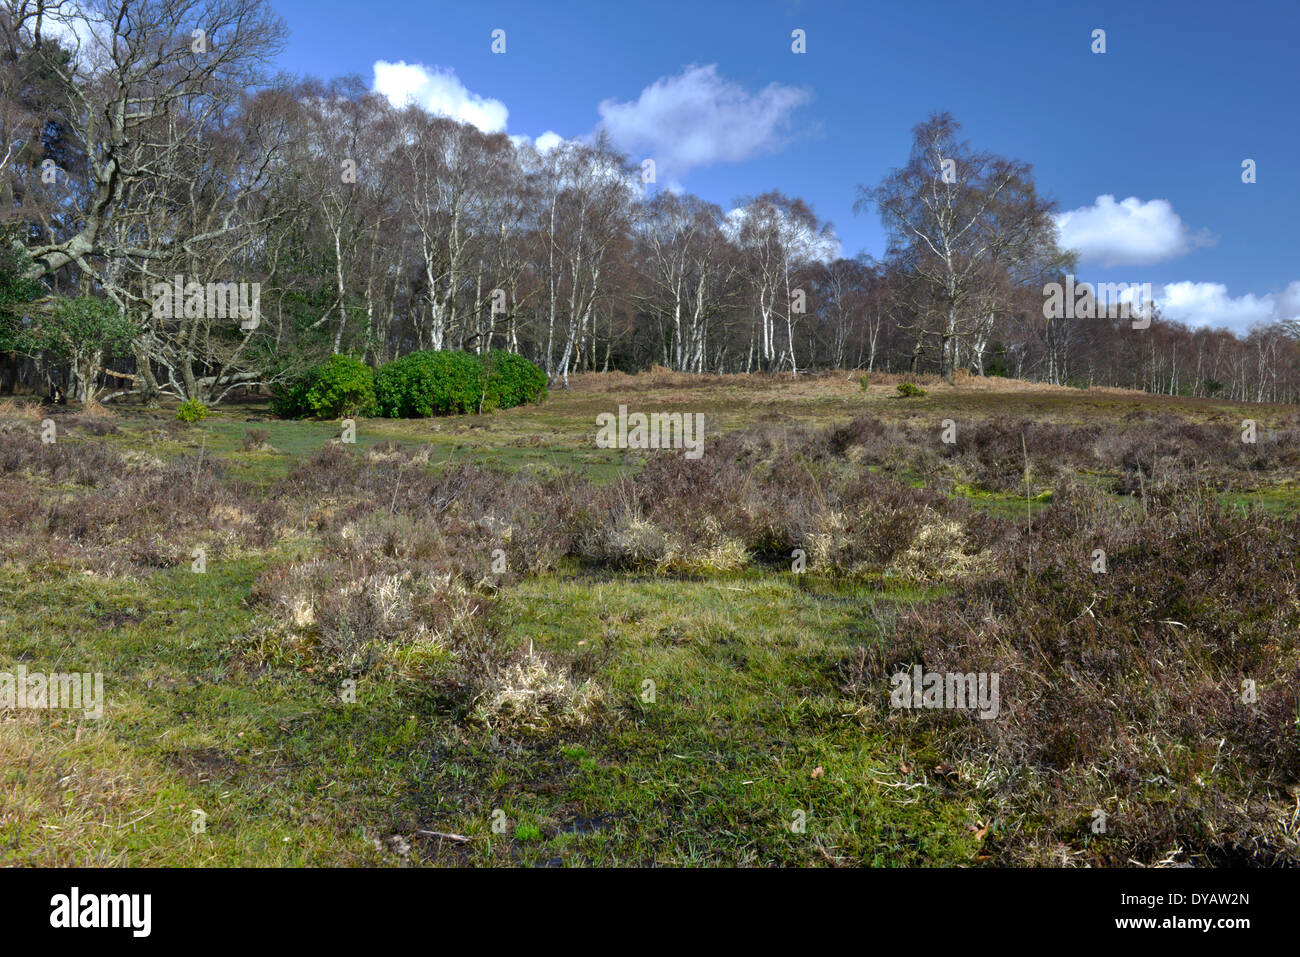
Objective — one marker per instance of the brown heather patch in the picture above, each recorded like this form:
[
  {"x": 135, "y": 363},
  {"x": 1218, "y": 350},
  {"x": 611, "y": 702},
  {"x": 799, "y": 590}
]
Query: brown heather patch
[
  {"x": 1123, "y": 691},
  {"x": 1119, "y": 691},
  {"x": 14, "y": 411}
]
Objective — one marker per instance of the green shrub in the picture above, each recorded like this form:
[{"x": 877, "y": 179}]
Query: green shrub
[
  {"x": 429, "y": 383},
  {"x": 289, "y": 399},
  {"x": 442, "y": 382},
  {"x": 512, "y": 380},
  {"x": 192, "y": 410},
  {"x": 865, "y": 382},
  {"x": 338, "y": 387},
  {"x": 909, "y": 389}
]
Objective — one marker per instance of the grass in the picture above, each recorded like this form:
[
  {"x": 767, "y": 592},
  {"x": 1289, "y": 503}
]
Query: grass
[
  {"x": 728, "y": 736},
  {"x": 711, "y": 770},
  {"x": 181, "y": 733}
]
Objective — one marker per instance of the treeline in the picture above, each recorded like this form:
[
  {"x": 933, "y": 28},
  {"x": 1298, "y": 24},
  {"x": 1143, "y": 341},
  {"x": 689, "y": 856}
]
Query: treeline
[{"x": 142, "y": 157}]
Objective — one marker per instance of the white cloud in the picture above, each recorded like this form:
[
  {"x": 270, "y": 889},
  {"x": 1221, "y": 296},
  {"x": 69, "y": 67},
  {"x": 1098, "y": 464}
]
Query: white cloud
[
  {"x": 439, "y": 91},
  {"x": 1207, "y": 304},
  {"x": 1128, "y": 233},
  {"x": 548, "y": 141},
  {"x": 698, "y": 118},
  {"x": 693, "y": 119},
  {"x": 543, "y": 144}
]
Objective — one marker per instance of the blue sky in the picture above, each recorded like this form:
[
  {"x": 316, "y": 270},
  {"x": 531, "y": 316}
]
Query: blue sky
[{"x": 1160, "y": 122}]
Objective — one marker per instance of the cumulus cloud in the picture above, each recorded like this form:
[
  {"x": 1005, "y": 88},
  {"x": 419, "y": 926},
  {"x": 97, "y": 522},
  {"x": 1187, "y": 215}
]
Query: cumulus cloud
[
  {"x": 681, "y": 122},
  {"x": 698, "y": 118},
  {"x": 1201, "y": 304},
  {"x": 543, "y": 144},
  {"x": 548, "y": 141},
  {"x": 1128, "y": 233},
  {"x": 439, "y": 91}
]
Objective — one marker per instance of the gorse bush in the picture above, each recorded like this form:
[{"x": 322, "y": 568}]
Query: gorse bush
[
  {"x": 512, "y": 380},
  {"x": 429, "y": 383},
  {"x": 456, "y": 383},
  {"x": 418, "y": 385},
  {"x": 910, "y": 389},
  {"x": 289, "y": 399},
  {"x": 192, "y": 410},
  {"x": 340, "y": 386}
]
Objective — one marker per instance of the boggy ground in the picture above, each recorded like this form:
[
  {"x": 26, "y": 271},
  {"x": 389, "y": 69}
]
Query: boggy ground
[{"x": 486, "y": 641}]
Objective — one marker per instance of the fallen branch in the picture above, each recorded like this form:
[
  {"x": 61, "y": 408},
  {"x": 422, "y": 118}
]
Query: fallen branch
[{"x": 458, "y": 838}]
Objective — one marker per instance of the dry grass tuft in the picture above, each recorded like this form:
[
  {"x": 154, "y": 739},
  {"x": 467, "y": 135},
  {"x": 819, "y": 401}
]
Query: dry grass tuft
[
  {"x": 85, "y": 790},
  {"x": 12, "y": 410},
  {"x": 534, "y": 694},
  {"x": 940, "y": 552}
]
